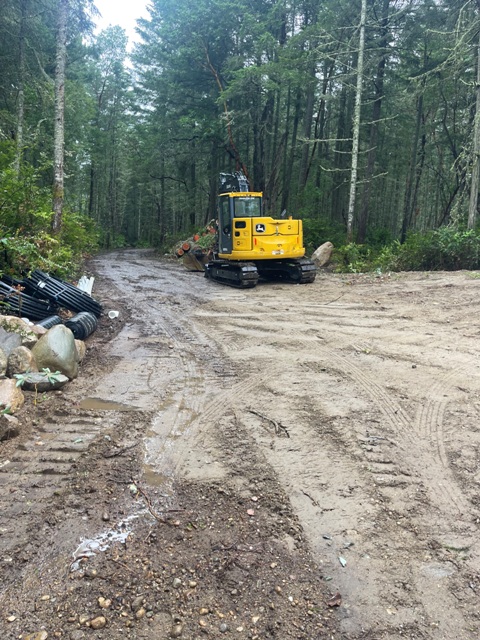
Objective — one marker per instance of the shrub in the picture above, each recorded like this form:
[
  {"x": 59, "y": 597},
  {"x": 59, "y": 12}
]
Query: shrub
[
  {"x": 448, "y": 248},
  {"x": 26, "y": 217},
  {"x": 316, "y": 231}
]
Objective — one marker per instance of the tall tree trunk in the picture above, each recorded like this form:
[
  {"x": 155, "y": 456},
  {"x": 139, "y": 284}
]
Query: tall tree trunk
[
  {"x": 408, "y": 208},
  {"x": 91, "y": 191},
  {"x": 374, "y": 127},
  {"x": 291, "y": 157},
  {"x": 356, "y": 123},
  {"x": 339, "y": 201},
  {"x": 59, "y": 125},
  {"x": 472, "y": 209},
  {"x": 21, "y": 88},
  {"x": 320, "y": 119},
  {"x": 307, "y": 126}
]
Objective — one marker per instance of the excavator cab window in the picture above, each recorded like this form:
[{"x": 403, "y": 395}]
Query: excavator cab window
[{"x": 247, "y": 207}]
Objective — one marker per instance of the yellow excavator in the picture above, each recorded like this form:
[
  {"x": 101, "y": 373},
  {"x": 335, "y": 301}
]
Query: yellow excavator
[{"x": 251, "y": 245}]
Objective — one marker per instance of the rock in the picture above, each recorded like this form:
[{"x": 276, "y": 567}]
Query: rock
[
  {"x": 40, "y": 381},
  {"x": 40, "y": 635},
  {"x": 56, "y": 351},
  {"x": 12, "y": 324},
  {"x": 3, "y": 362},
  {"x": 20, "y": 360},
  {"x": 9, "y": 341},
  {"x": 98, "y": 623},
  {"x": 176, "y": 583},
  {"x": 9, "y": 427},
  {"x": 81, "y": 349},
  {"x": 11, "y": 396},
  {"x": 323, "y": 254},
  {"x": 223, "y": 628},
  {"x": 104, "y": 603},
  {"x": 176, "y": 631},
  {"x": 137, "y": 603},
  {"x": 38, "y": 330}
]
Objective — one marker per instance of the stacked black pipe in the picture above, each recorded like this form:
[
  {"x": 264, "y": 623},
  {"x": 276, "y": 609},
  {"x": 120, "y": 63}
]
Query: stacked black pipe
[
  {"x": 63, "y": 294},
  {"x": 18, "y": 303},
  {"x": 51, "y": 321}
]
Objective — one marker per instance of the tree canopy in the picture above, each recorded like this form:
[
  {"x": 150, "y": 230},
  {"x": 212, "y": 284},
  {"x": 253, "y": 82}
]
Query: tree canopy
[{"x": 359, "y": 117}]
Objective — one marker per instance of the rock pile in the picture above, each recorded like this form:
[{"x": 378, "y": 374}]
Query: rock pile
[{"x": 33, "y": 358}]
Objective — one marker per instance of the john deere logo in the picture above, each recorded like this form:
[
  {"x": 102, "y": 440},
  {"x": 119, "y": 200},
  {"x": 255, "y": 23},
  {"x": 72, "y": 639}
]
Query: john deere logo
[{"x": 260, "y": 228}]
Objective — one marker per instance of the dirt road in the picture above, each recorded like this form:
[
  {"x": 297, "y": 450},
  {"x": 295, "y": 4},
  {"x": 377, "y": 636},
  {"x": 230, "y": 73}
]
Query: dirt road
[{"x": 230, "y": 461}]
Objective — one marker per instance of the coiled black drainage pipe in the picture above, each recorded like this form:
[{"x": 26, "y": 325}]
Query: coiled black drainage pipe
[
  {"x": 82, "y": 325},
  {"x": 48, "y": 323}
]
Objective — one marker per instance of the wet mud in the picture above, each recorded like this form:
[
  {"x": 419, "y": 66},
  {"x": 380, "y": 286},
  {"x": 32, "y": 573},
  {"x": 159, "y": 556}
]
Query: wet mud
[{"x": 286, "y": 461}]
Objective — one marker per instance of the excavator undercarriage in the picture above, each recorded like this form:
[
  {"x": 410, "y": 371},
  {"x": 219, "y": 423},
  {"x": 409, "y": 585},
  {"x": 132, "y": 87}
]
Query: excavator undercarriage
[{"x": 245, "y": 275}]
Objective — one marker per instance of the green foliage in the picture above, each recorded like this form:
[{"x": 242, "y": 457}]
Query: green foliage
[
  {"x": 111, "y": 240},
  {"x": 318, "y": 230},
  {"x": 448, "y": 248},
  {"x": 24, "y": 205},
  {"x": 51, "y": 376},
  {"x": 354, "y": 258},
  {"x": 25, "y": 238},
  {"x": 79, "y": 233},
  {"x": 207, "y": 241}
]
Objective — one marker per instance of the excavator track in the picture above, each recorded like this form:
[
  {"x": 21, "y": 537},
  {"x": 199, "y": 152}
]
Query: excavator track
[
  {"x": 299, "y": 271},
  {"x": 242, "y": 275}
]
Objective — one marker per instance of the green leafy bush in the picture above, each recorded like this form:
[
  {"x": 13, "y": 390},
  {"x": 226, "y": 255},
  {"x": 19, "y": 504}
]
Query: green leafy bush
[
  {"x": 318, "y": 230},
  {"x": 26, "y": 217},
  {"x": 448, "y": 248},
  {"x": 353, "y": 258}
]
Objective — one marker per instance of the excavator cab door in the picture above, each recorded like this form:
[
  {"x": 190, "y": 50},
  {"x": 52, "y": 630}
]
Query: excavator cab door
[{"x": 225, "y": 224}]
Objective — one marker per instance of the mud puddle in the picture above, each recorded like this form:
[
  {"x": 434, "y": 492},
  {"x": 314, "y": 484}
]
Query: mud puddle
[{"x": 97, "y": 404}]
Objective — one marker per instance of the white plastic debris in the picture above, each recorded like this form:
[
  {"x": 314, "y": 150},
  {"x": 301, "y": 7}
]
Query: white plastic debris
[{"x": 86, "y": 284}]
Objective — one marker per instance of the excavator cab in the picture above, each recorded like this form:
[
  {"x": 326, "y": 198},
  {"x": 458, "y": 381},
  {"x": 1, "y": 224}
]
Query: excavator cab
[{"x": 230, "y": 207}]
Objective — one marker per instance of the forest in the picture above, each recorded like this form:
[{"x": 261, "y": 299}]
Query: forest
[{"x": 360, "y": 117}]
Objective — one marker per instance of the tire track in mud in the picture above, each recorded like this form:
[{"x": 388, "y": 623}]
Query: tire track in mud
[
  {"x": 207, "y": 412},
  {"x": 407, "y": 429},
  {"x": 190, "y": 406},
  {"x": 429, "y": 426},
  {"x": 394, "y": 413},
  {"x": 428, "y": 464},
  {"x": 429, "y": 418},
  {"x": 212, "y": 403}
]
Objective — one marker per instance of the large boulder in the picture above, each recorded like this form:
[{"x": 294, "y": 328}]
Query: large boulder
[
  {"x": 11, "y": 396},
  {"x": 9, "y": 341},
  {"x": 56, "y": 351},
  {"x": 12, "y": 324},
  {"x": 20, "y": 360},
  {"x": 323, "y": 254},
  {"x": 81, "y": 350}
]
